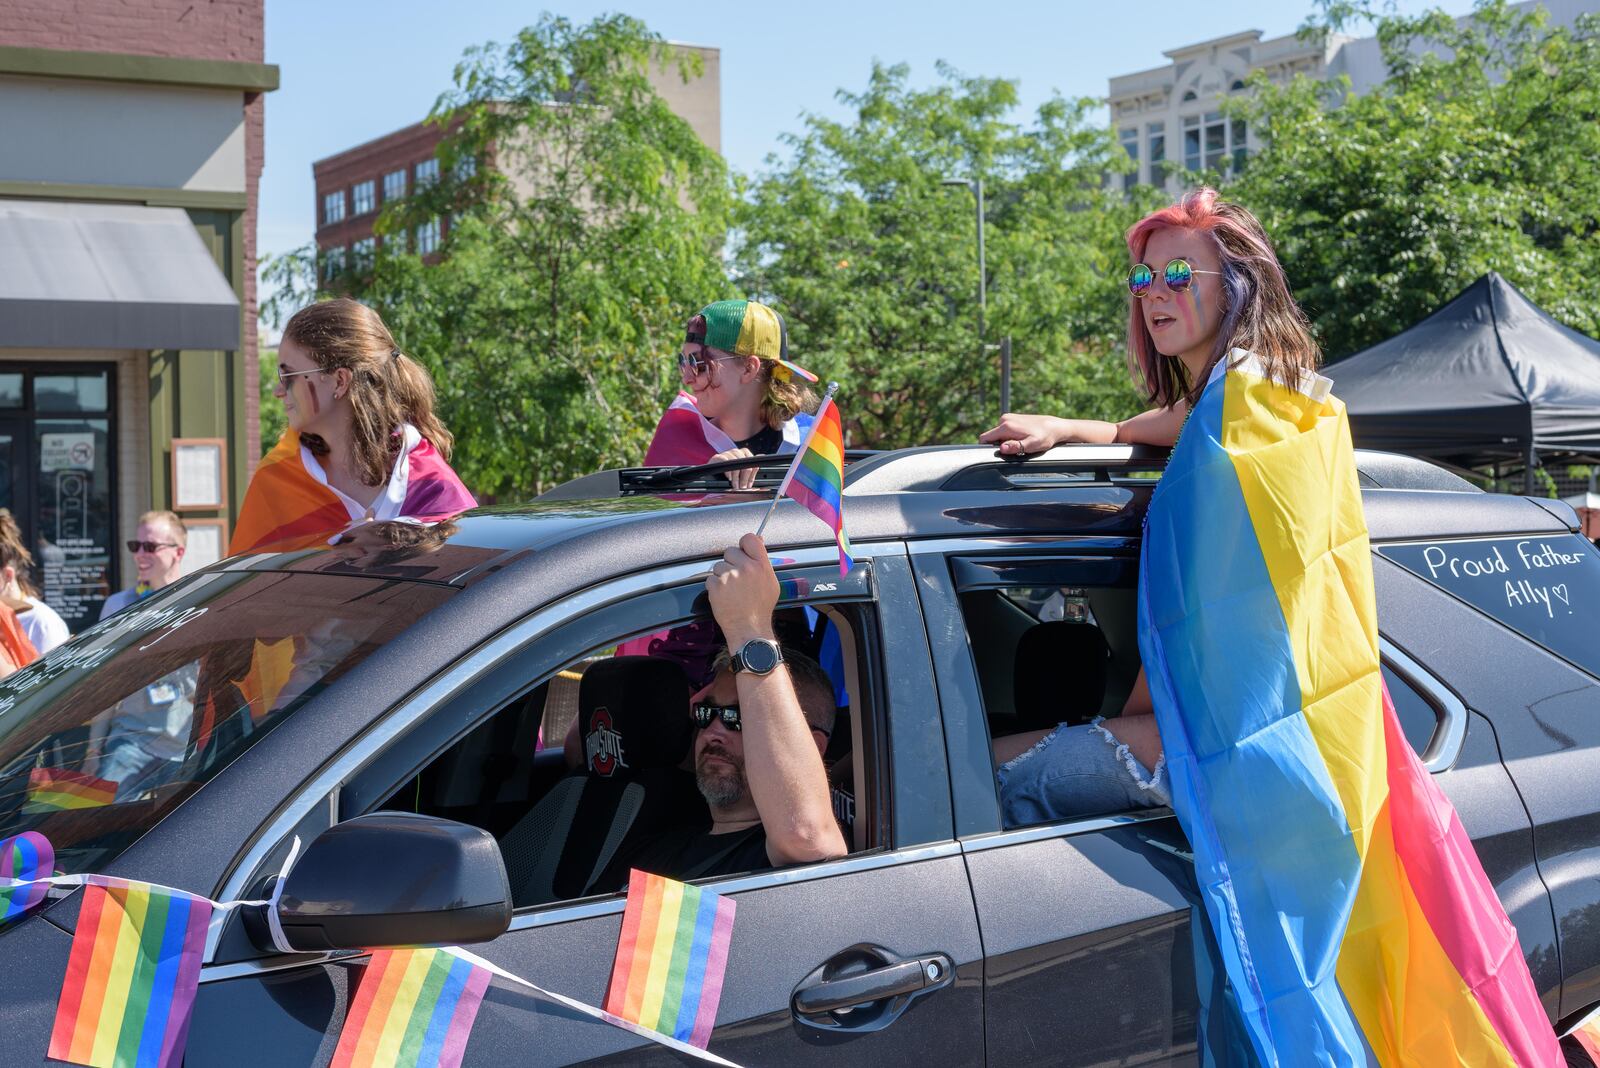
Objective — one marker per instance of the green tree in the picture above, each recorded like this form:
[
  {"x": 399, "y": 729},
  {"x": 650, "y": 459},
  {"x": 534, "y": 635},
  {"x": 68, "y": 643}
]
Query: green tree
[
  {"x": 589, "y": 230},
  {"x": 872, "y": 259},
  {"x": 273, "y": 419},
  {"x": 1475, "y": 155}
]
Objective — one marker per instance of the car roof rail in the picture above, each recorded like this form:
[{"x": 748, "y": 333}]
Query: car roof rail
[
  {"x": 980, "y": 467},
  {"x": 1393, "y": 470},
  {"x": 691, "y": 478}
]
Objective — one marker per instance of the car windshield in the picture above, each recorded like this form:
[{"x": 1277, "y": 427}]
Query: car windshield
[{"x": 108, "y": 733}]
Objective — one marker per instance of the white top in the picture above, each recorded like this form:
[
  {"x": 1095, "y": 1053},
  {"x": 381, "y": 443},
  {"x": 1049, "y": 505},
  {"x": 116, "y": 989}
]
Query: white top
[
  {"x": 389, "y": 502},
  {"x": 44, "y": 628}
]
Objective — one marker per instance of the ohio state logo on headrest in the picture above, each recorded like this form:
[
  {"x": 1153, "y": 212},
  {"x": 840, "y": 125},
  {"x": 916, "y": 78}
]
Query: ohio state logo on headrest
[{"x": 603, "y": 746}]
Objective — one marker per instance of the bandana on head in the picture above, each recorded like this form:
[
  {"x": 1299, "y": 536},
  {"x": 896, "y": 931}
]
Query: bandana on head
[{"x": 749, "y": 328}]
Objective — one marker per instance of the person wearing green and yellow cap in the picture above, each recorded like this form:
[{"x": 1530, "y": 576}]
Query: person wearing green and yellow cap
[{"x": 741, "y": 395}]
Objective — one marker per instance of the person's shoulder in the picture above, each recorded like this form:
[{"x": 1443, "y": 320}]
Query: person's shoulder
[{"x": 117, "y": 602}]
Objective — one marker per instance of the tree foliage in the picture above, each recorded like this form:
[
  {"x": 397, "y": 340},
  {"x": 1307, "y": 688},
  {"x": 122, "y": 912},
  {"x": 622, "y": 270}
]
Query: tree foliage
[{"x": 1475, "y": 155}]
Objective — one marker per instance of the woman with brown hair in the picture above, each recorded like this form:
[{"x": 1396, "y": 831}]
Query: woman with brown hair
[
  {"x": 363, "y": 442},
  {"x": 44, "y": 628}
]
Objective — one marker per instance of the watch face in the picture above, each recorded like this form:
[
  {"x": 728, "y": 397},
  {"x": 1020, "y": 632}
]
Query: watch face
[{"x": 759, "y": 657}]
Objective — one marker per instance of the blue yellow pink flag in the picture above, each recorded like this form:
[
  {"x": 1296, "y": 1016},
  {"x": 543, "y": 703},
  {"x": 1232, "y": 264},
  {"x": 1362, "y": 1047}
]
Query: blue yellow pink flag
[
  {"x": 413, "y": 1008},
  {"x": 816, "y": 477},
  {"x": 671, "y": 956},
  {"x": 24, "y": 857},
  {"x": 1350, "y": 909},
  {"x": 131, "y": 977}
]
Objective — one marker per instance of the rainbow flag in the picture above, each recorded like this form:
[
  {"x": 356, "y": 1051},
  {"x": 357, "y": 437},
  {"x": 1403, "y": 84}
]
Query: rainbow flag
[
  {"x": 287, "y": 507},
  {"x": 670, "y": 957},
  {"x": 816, "y": 478},
  {"x": 57, "y": 789},
  {"x": 131, "y": 977},
  {"x": 1588, "y": 1038},
  {"x": 1350, "y": 909},
  {"x": 25, "y": 856},
  {"x": 413, "y": 1007}
]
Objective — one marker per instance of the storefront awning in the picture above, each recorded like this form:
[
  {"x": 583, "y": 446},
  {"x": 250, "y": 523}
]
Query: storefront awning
[{"x": 109, "y": 276}]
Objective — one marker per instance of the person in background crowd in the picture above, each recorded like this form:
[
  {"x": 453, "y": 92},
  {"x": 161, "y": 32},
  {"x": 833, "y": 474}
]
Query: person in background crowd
[
  {"x": 44, "y": 628},
  {"x": 363, "y": 442},
  {"x": 158, "y": 544},
  {"x": 741, "y": 397}
]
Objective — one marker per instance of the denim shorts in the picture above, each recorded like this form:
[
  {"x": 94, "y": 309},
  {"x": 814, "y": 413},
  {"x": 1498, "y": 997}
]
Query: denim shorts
[{"x": 1078, "y": 771}]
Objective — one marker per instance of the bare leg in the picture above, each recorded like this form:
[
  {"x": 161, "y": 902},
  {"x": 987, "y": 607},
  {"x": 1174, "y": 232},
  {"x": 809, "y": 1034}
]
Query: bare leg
[
  {"x": 1138, "y": 733},
  {"x": 1011, "y": 746}
]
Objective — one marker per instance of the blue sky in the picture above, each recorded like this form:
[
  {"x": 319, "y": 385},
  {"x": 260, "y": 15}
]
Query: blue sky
[{"x": 353, "y": 70}]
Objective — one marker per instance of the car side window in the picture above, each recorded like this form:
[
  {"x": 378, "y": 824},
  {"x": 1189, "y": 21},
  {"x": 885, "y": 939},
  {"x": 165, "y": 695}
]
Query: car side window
[
  {"x": 1419, "y": 719},
  {"x": 590, "y": 761}
]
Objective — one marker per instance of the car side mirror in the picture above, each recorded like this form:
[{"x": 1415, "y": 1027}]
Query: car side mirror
[{"x": 393, "y": 879}]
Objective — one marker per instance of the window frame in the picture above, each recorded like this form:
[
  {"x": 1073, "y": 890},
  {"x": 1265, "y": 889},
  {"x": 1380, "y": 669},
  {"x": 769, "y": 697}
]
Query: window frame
[
  {"x": 396, "y": 189},
  {"x": 427, "y": 237},
  {"x": 425, "y": 172},
  {"x": 329, "y": 201},
  {"x": 362, "y": 205}
]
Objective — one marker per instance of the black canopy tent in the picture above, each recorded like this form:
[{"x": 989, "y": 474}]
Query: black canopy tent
[{"x": 1489, "y": 378}]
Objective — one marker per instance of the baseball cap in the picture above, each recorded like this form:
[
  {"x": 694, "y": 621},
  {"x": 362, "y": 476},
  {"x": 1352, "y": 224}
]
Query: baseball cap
[{"x": 749, "y": 328}]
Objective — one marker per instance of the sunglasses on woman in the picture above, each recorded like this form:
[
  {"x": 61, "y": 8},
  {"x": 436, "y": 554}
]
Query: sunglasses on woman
[
  {"x": 1178, "y": 276},
  {"x": 694, "y": 361},
  {"x": 705, "y": 715}
]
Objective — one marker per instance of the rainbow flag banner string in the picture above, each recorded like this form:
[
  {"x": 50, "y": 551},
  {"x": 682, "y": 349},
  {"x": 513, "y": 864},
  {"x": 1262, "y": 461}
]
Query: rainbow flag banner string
[
  {"x": 816, "y": 477},
  {"x": 131, "y": 977},
  {"x": 671, "y": 957},
  {"x": 414, "y": 1007},
  {"x": 24, "y": 858},
  {"x": 57, "y": 789},
  {"x": 1350, "y": 910}
]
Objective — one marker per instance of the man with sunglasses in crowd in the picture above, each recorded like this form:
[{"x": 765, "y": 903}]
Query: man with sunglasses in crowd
[
  {"x": 763, "y": 724},
  {"x": 157, "y": 546}
]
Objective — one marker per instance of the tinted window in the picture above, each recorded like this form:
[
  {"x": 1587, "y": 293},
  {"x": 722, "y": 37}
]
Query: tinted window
[
  {"x": 1418, "y": 718},
  {"x": 1545, "y": 587},
  {"x": 107, "y": 733}
]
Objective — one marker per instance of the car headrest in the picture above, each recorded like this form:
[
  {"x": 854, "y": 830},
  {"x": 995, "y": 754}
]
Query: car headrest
[
  {"x": 1060, "y": 674},
  {"x": 633, "y": 716}
]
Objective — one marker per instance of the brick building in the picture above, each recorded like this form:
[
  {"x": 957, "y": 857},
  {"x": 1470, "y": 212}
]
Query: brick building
[
  {"x": 354, "y": 185},
  {"x": 132, "y": 153}
]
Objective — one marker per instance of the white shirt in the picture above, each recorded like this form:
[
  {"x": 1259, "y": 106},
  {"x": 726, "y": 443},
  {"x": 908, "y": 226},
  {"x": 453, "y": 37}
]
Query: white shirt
[
  {"x": 393, "y": 497},
  {"x": 44, "y": 628}
]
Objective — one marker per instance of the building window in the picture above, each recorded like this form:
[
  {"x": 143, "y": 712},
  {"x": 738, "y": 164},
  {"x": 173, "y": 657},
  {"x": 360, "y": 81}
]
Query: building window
[
  {"x": 427, "y": 172},
  {"x": 333, "y": 260},
  {"x": 1240, "y": 144},
  {"x": 363, "y": 252},
  {"x": 1188, "y": 96},
  {"x": 466, "y": 167},
  {"x": 394, "y": 185},
  {"x": 1130, "y": 145},
  {"x": 332, "y": 207},
  {"x": 1236, "y": 86},
  {"x": 395, "y": 243},
  {"x": 1157, "y": 134},
  {"x": 1216, "y": 141},
  {"x": 1191, "y": 142},
  {"x": 428, "y": 237},
  {"x": 363, "y": 197}
]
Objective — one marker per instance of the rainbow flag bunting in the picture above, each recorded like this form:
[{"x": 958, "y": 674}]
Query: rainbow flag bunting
[
  {"x": 1351, "y": 912},
  {"x": 57, "y": 789},
  {"x": 670, "y": 958},
  {"x": 26, "y": 856},
  {"x": 413, "y": 1008},
  {"x": 131, "y": 977},
  {"x": 816, "y": 478},
  {"x": 1588, "y": 1038}
]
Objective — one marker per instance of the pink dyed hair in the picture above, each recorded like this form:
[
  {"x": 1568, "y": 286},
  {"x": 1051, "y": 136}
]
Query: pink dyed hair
[{"x": 1259, "y": 313}]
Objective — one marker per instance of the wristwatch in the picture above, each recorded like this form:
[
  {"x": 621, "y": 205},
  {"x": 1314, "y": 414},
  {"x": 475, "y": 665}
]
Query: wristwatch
[{"x": 759, "y": 656}]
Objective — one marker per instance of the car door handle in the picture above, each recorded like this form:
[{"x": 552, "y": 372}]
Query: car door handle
[{"x": 817, "y": 997}]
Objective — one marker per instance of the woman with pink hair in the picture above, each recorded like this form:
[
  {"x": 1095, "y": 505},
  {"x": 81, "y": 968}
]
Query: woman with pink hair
[{"x": 1205, "y": 283}]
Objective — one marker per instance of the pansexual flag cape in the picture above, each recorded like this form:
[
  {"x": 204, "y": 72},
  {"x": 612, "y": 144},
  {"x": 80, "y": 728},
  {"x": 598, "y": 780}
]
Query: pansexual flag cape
[
  {"x": 684, "y": 437},
  {"x": 131, "y": 977},
  {"x": 414, "y": 1008},
  {"x": 671, "y": 957},
  {"x": 816, "y": 478},
  {"x": 287, "y": 507},
  {"x": 1353, "y": 918},
  {"x": 58, "y": 789}
]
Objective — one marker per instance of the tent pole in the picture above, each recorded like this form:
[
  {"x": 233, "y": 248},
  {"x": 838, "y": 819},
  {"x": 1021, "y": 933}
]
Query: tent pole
[{"x": 1527, "y": 477}]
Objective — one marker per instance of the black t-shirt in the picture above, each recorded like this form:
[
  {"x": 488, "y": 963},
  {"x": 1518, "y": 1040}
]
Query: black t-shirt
[
  {"x": 693, "y": 853},
  {"x": 764, "y": 442}
]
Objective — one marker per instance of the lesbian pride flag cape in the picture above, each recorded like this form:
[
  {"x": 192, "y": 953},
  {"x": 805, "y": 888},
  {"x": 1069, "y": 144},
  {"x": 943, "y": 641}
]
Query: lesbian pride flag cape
[
  {"x": 1354, "y": 920},
  {"x": 287, "y": 507},
  {"x": 684, "y": 437}
]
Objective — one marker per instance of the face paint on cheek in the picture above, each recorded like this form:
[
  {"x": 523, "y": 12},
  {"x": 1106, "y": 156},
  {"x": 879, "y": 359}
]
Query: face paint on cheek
[{"x": 316, "y": 405}]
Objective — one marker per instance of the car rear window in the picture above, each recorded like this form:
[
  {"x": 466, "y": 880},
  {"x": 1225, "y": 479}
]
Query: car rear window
[
  {"x": 109, "y": 732},
  {"x": 1545, "y": 587}
]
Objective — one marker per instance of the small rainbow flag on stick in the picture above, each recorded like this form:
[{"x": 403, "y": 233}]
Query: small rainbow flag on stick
[
  {"x": 131, "y": 977},
  {"x": 816, "y": 478},
  {"x": 26, "y": 856},
  {"x": 57, "y": 789},
  {"x": 414, "y": 1007},
  {"x": 670, "y": 957}
]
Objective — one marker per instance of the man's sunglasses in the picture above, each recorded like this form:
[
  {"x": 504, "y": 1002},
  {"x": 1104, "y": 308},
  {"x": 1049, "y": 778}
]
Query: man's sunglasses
[
  {"x": 137, "y": 546},
  {"x": 1178, "y": 276},
  {"x": 705, "y": 715},
  {"x": 695, "y": 360}
]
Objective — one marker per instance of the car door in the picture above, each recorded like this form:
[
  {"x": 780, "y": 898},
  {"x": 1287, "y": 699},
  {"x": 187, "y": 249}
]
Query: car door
[
  {"x": 794, "y": 928},
  {"x": 1097, "y": 951}
]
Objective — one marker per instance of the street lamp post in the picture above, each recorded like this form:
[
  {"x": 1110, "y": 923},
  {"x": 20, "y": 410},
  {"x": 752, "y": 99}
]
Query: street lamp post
[{"x": 975, "y": 187}]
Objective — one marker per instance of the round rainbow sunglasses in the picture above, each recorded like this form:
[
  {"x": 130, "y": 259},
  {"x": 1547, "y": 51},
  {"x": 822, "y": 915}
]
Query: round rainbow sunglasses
[{"x": 1178, "y": 276}]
